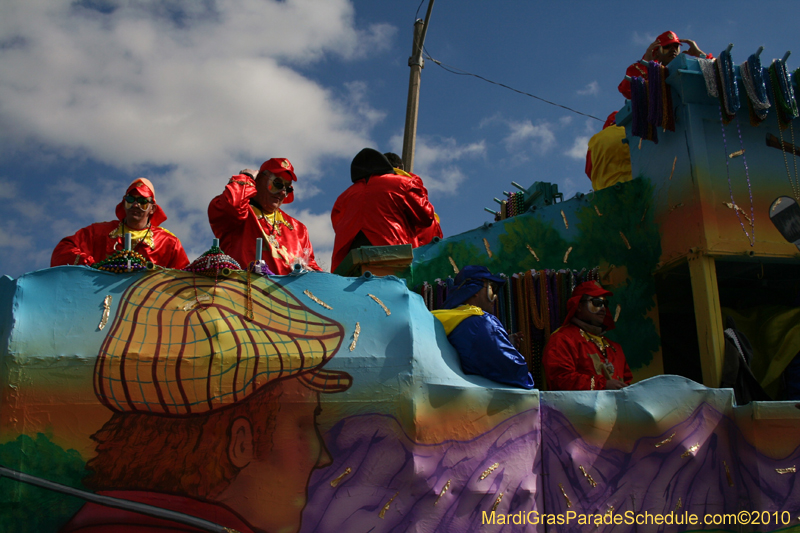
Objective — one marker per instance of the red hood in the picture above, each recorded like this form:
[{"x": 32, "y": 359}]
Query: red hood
[{"x": 146, "y": 189}]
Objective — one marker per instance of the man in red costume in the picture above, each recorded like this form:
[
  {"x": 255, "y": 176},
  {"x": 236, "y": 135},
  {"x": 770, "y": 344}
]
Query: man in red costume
[
  {"x": 578, "y": 356},
  {"x": 137, "y": 214},
  {"x": 249, "y": 208},
  {"x": 426, "y": 235},
  {"x": 381, "y": 208},
  {"x": 664, "y": 49}
]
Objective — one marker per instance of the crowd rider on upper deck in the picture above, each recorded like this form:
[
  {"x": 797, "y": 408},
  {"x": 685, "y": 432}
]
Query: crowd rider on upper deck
[
  {"x": 664, "y": 49},
  {"x": 137, "y": 214},
  {"x": 380, "y": 208},
  {"x": 578, "y": 356},
  {"x": 250, "y": 207}
]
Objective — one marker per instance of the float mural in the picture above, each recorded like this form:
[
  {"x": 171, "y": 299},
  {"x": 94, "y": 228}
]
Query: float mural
[{"x": 343, "y": 409}]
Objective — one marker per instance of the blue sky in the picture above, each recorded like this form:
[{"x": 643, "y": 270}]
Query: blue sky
[{"x": 95, "y": 93}]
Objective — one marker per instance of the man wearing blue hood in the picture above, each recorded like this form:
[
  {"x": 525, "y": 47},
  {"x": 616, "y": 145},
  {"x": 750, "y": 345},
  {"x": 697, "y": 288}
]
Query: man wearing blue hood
[{"x": 477, "y": 335}]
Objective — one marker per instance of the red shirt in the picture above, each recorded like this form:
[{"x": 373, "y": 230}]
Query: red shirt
[
  {"x": 389, "y": 209},
  {"x": 569, "y": 365},
  {"x": 94, "y": 243},
  {"x": 237, "y": 227}
]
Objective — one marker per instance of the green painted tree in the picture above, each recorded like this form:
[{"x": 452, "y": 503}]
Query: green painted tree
[{"x": 24, "y": 507}]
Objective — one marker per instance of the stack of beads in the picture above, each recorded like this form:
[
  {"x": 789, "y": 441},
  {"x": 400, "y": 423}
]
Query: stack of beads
[
  {"x": 212, "y": 263},
  {"x": 515, "y": 205},
  {"x": 122, "y": 261}
]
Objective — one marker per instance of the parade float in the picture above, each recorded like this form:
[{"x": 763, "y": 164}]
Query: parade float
[{"x": 371, "y": 423}]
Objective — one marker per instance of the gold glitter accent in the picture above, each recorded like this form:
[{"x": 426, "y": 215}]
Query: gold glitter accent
[
  {"x": 455, "y": 268},
  {"x": 385, "y": 309},
  {"x": 690, "y": 451},
  {"x": 106, "y": 311},
  {"x": 673, "y": 167},
  {"x": 488, "y": 250},
  {"x": 497, "y": 502},
  {"x": 443, "y": 492},
  {"x": 679, "y": 504},
  {"x": 591, "y": 481},
  {"x": 789, "y": 470},
  {"x": 625, "y": 240},
  {"x": 339, "y": 479},
  {"x": 566, "y": 255},
  {"x": 736, "y": 154},
  {"x": 644, "y": 214},
  {"x": 735, "y": 207},
  {"x": 356, "y": 333},
  {"x": 596, "y": 210},
  {"x": 532, "y": 252},
  {"x": 676, "y": 206},
  {"x": 320, "y": 302},
  {"x": 382, "y": 514},
  {"x": 663, "y": 442},
  {"x": 728, "y": 473},
  {"x": 617, "y": 312},
  {"x": 777, "y": 203},
  {"x": 640, "y": 143},
  {"x": 561, "y": 486},
  {"x": 192, "y": 303},
  {"x": 230, "y": 530},
  {"x": 566, "y": 224},
  {"x": 488, "y": 471},
  {"x": 610, "y": 510},
  {"x": 592, "y": 384}
]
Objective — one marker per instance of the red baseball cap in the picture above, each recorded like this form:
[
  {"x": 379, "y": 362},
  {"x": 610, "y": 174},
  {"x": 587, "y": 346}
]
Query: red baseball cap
[
  {"x": 667, "y": 38},
  {"x": 280, "y": 166},
  {"x": 588, "y": 288}
]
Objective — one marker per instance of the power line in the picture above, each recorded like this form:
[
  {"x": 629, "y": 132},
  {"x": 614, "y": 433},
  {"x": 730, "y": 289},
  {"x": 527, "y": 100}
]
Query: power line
[{"x": 460, "y": 72}]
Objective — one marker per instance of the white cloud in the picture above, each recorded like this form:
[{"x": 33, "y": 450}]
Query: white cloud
[
  {"x": 642, "y": 39},
  {"x": 8, "y": 190},
  {"x": 540, "y": 137},
  {"x": 579, "y": 147},
  {"x": 437, "y": 161},
  {"x": 592, "y": 88},
  {"x": 199, "y": 89}
]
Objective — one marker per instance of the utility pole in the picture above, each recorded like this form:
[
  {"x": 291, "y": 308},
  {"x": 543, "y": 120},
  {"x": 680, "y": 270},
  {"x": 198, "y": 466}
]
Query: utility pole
[{"x": 412, "y": 107}]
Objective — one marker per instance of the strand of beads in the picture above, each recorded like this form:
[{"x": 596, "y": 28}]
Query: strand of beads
[
  {"x": 730, "y": 187},
  {"x": 730, "y": 89},
  {"x": 122, "y": 261},
  {"x": 212, "y": 262},
  {"x": 655, "y": 111}
]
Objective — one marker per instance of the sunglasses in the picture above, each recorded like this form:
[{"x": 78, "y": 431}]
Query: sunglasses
[
  {"x": 280, "y": 185},
  {"x": 596, "y": 304},
  {"x": 141, "y": 200}
]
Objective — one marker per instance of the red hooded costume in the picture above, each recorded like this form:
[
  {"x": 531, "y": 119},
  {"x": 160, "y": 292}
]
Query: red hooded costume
[
  {"x": 574, "y": 360},
  {"x": 383, "y": 207},
  {"x": 96, "y": 242},
  {"x": 237, "y": 224}
]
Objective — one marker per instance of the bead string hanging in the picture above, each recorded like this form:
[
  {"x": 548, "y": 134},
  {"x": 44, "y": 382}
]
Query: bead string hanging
[
  {"x": 750, "y": 238},
  {"x": 122, "y": 261},
  {"x": 753, "y": 80},
  {"x": 708, "y": 67},
  {"x": 668, "y": 113},
  {"x": 640, "y": 126},
  {"x": 730, "y": 89},
  {"x": 655, "y": 111},
  {"x": 784, "y": 103}
]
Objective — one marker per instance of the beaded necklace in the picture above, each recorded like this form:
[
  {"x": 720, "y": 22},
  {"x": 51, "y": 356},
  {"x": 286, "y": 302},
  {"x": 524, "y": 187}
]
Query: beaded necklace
[
  {"x": 780, "y": 98},
  {"x": 751, "y": 238},
  {"x": 730, "y": 89},
  {"x": 655, "y": 110}
]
